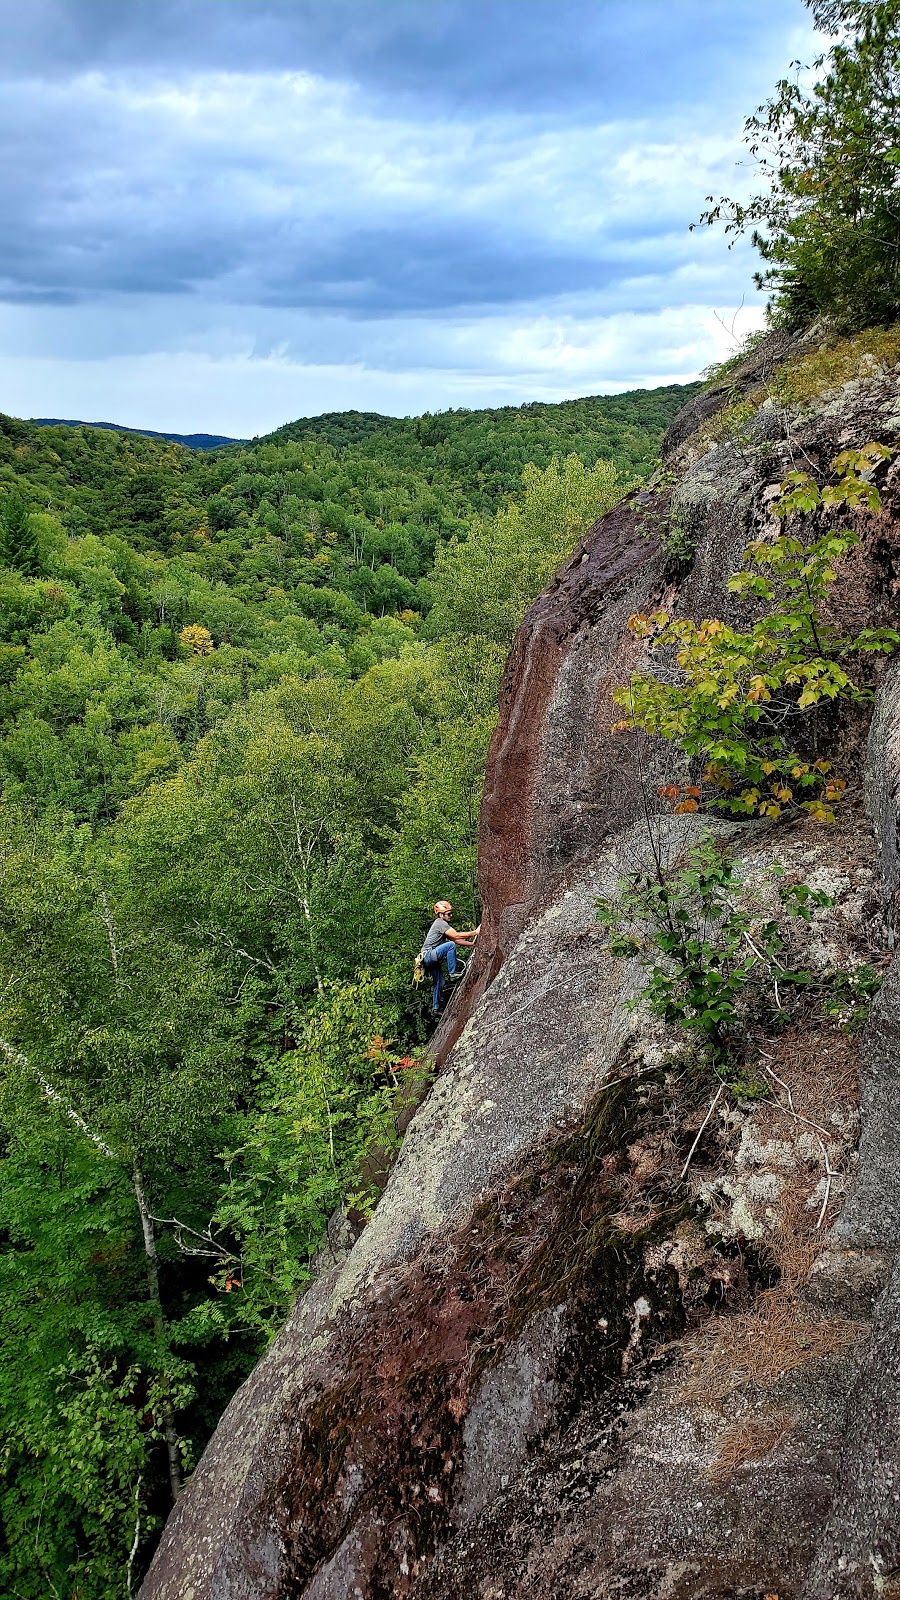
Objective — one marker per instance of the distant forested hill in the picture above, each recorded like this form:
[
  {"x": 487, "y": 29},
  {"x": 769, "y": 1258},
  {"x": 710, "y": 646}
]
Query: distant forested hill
[
  {"x": 495, "y": 443},
  {"x": 487, "y": 449},
  {"x": 194, "y": 441},
  {"x": 338, "y": 428}
]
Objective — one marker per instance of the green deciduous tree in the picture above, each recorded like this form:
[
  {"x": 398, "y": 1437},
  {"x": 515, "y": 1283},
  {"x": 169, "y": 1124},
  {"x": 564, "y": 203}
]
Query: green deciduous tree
[
  {"x": 827, "y": 218},
  {"x": 482, "y": 586},
  {"x": 325, "y": 1105}
]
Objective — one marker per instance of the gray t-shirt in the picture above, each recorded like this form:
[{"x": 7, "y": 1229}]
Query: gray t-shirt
[{"x": 435, "y": 934}]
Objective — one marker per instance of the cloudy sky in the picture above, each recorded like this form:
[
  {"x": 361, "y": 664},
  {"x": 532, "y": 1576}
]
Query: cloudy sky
[{"x": 222, "y": 214}]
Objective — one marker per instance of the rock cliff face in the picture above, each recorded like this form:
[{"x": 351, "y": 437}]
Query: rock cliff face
[{"x": 563, "y": 1358}]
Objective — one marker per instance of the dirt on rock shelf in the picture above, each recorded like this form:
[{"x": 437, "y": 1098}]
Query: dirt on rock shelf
[{"x": 614, "y": 1331}]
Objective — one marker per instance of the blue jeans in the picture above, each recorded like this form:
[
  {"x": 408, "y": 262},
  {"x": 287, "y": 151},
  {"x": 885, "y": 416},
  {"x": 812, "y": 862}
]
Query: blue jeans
[{"x": 434, "y": 963}]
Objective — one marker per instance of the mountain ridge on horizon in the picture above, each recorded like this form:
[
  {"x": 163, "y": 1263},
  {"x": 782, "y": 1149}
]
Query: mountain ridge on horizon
[
  {"x": 352, "y": 426},
  {"x": 192, "y": 441}
]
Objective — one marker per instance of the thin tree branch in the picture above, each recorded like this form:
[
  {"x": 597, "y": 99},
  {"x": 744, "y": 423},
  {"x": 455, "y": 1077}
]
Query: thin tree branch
[
  {"x": 217, "y": 1251},
  {"x": 718, "y": 1094},
  {"x": 107, "y": 919},
  {"x": 54, "y": 1095}
]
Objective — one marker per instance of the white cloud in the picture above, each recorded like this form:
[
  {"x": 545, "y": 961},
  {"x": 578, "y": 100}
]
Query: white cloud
[{"x": 241, "y": 393}]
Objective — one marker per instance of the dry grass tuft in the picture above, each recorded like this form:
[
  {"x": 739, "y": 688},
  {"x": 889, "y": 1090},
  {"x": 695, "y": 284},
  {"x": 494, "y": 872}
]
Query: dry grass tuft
[
  {"x": 750, "y": 1439},
  {"x": 794, "y": 1244},
  {"x": 803, "y": 381},
  {"x": 759, "y": 1346},
  {"x": 728, "y": 424},
  {"x": 778, "y": 1333},
  {"x": 820, "y": 1065}
]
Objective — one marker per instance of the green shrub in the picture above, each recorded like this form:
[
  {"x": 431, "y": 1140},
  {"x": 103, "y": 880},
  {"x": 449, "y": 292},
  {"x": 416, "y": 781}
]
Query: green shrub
[
  {"x": 746, "y": 691},
  {"x": 701, "y": 951}
]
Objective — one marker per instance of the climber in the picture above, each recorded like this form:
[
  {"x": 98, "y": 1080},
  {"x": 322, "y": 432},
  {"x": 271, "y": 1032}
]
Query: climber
[{"x": 440, "y": 945}]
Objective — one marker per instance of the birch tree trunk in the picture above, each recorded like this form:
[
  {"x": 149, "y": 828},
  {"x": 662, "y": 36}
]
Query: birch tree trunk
[{"x": 159, "y": 1329}]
